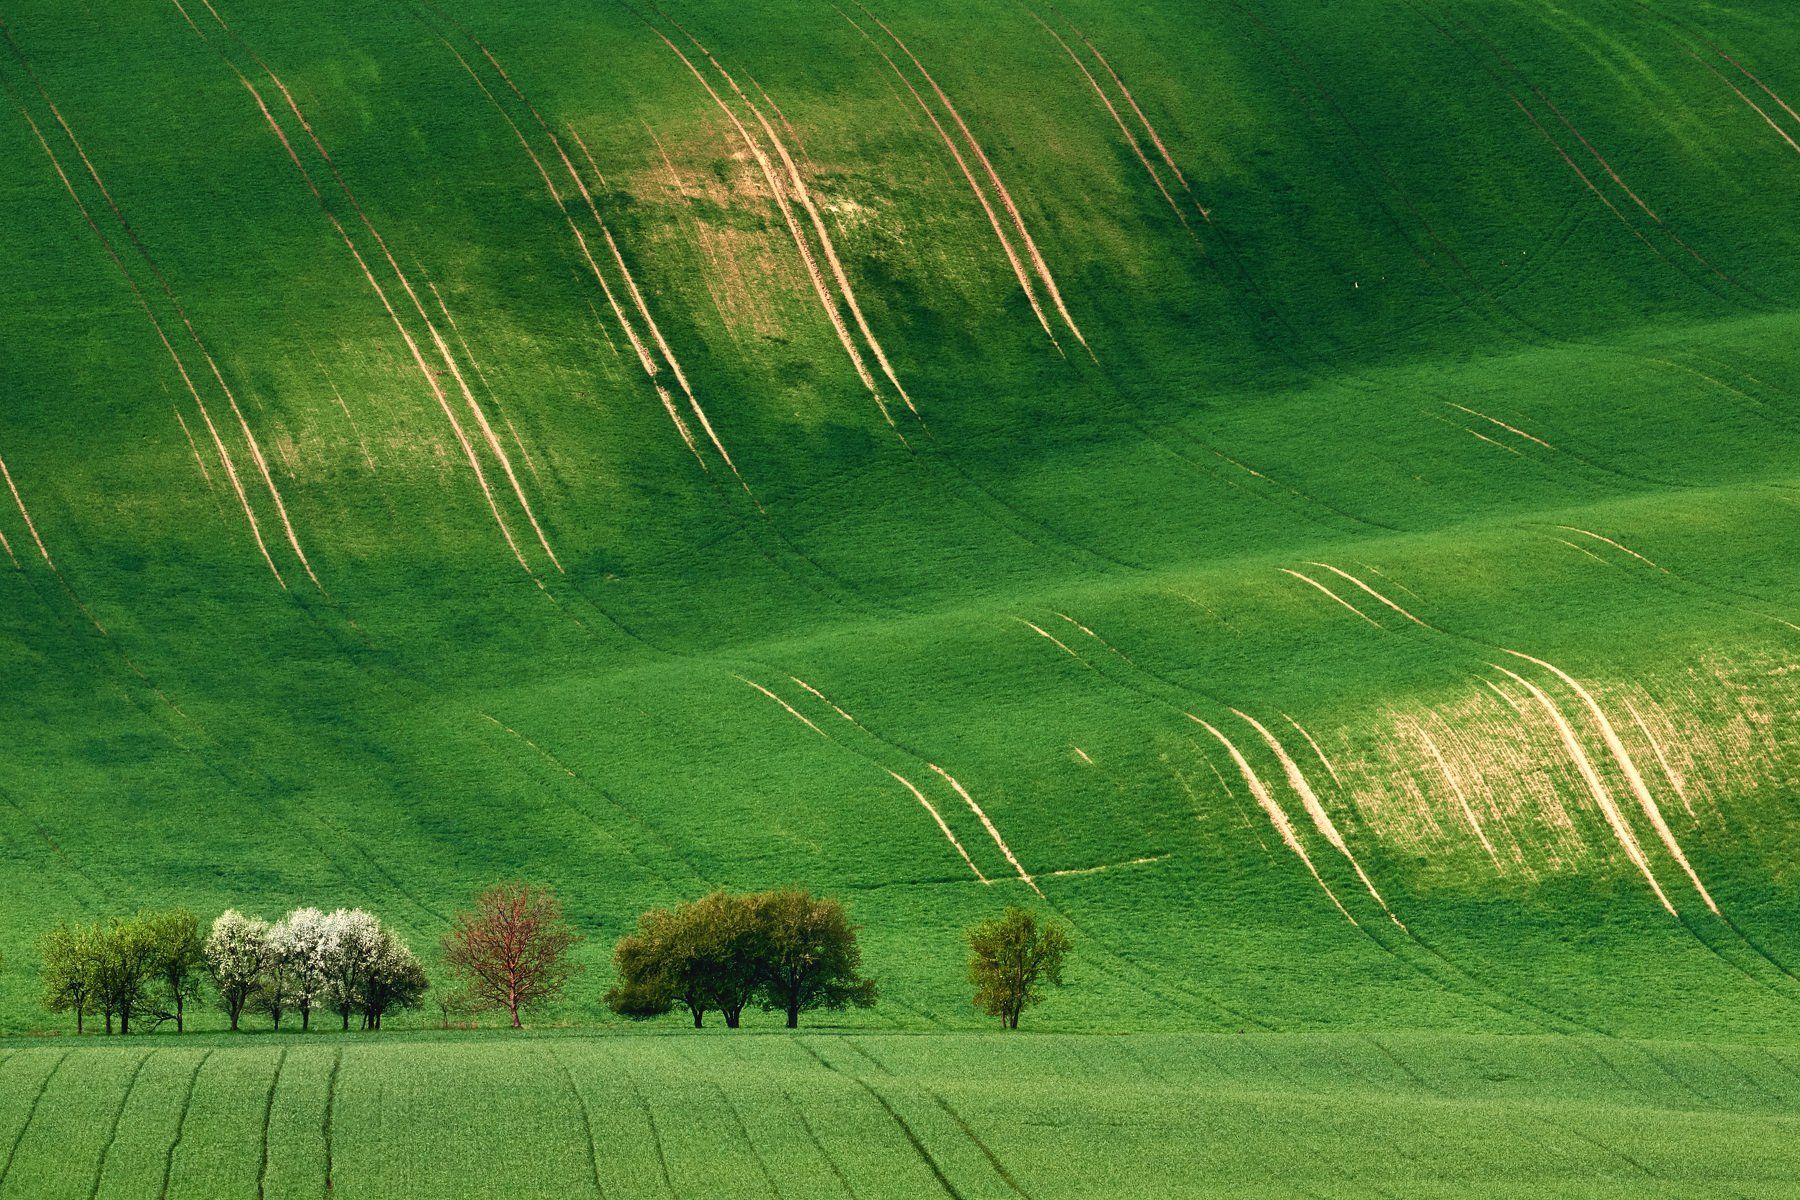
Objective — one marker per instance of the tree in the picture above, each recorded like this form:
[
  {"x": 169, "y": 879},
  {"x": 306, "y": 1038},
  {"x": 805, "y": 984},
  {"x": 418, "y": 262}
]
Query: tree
[
  {"x": 302, "y": 942},
  {"x": 124, "y": 968},
  {"x": 179, "y": 958},
  {"x": 512, "y": 951},
  {"x": 395, "y": 979},
  {"x": 1011, "y": 958},
  {"x": 68, "y": 954},
  {"x": 350, "y": 944},
  {"x": 235, "y": 952},
  {"x": 810, "y": 958},
  {"x": 707, "y": 954}
]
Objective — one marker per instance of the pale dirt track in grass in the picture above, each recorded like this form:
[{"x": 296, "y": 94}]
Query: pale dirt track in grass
[
  {"x": 1502, "y": 424},
  {"x": 794, "y": 231},
  {"x": 1315, "y": 809},
  {"x": 1598, "y": 537},
  {"x": 1057, "y": 642},
  {"x": 180, "y": 367},
  {"x": 25, "y": 514},
  {"x": 1462, "y": 800},
  {"x": 804, "y": 194},
  {"x": 1316, "y": 749},
  {"x": 942, "y": 825},
  {"x": 1596, "y": 786},
  {"x": 1130, "y": 138},
  {"x": 449, "y": 359},
  {"x": 791, "y": 710},
  {"x": 1012, "y": 210},
  {"x": 1012, "y": 255},
  {"x": 412, "y": 346},
  {"x": 994, "y": 833},
  {"x": 1273, "y": 810},
  {"x": 1342, "y": 574},
  {"x": 1662, "y": 759},
  {"x": 1633, "y": 777},
  {"x": 1760, "y": 111},
  {"x": 1307, "y": 579}
]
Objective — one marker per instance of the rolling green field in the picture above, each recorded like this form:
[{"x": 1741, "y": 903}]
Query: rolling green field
[{"x": 1305, "y": 494}]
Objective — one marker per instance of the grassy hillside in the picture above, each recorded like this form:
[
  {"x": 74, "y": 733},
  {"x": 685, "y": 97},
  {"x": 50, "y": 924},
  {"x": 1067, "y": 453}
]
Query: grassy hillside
[{"x": 1306, "y": 494}]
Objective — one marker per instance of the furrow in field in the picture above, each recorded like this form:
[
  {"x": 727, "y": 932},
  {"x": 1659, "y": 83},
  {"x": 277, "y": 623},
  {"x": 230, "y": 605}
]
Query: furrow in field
[
  {"x": 687, "y": 435},
  {"x": 1307, "y": 579},
  {"x": 1326, "y": 762},
  {"x": 631, "y": 287},
  {"x": 987, "y": 207},
  {"x": 1502, "y": 424},
  {"x": 1273, "y": 810},
  {"x": 791, "y": 710},
  {"x": 1475, "y": 433},
  {"x": 992, "y": 831},
  {"x": 1596, "y": 786},
  {"x": 1633, "y": 777},
  {"x": 1615, "y": 545},
  {"x": 192, "y": 445},
  {"x": 1583, "y": 176},
  {"x": 942, "y": 825},
  {"x": 820, "y": 289},
  {"x": 1057, "y": 642},
  {"x": 250, "y": 439},
  {"x": 1130, "y": 138},
  {"x": 1371, "y": 591},
  {"x": 487, "y": 386},
  {"x": 1662, "y": 759},
  {"x": 1759, "y": 110},
  {"x": 1462, "y": 800},
  {"x": 180, "y": 367},
  {"x": 1583, "y": 550},
  {"x": 449, "y": 360},
  {"x": 801, "y": 192},
  {"x": 1130, "y": 862},
  {"x": 1748, "y": 74},
  {"x": 1315, "y": 808},
  {"x": 412, "y": 346},
  {"x": 25, "y": 513},
  {"x": 826, "y": 700},
  {"x": 1012, "y": 210},
  {"x": 1155, "y": 138}
]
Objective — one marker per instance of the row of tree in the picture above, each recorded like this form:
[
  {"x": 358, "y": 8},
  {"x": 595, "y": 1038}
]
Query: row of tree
[
  {"x": 155, "y": 963},
  {"x": 785, "y": 951}
]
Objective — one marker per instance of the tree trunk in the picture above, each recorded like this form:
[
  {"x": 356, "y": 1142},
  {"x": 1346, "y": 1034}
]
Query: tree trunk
[
  {"x": 732, "y": 1016},
  {"x": 698, "y": 1013},
  {"x": 793, "y": 1014},
  {"x": 180, "y": 1027},
  {"x": 78, "y": 1015},
  {"x": 305, "y": 1020},
  {"x": 346, "y": 1016},
  {"x": 234, "y": 1018},
  {"x": 515, "y": 1017},
  {"x": 109, "y": 1024}
]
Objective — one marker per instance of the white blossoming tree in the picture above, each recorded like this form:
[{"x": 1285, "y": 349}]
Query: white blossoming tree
[{"x": 235, "y": 952}]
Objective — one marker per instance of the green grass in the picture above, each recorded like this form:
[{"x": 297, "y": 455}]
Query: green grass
[
  {"x": 1544, "y": 404},
  {"x": 834, "y": 1114}
]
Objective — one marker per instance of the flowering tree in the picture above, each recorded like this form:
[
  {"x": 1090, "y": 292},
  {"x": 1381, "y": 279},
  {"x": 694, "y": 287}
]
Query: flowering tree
[
  {"x": 350, "y": 942},
  {"x": 235, "y": 950},
  {"x": 512, "y": 951},
  {"x": 396, "y": 979},
  {"x": 300, "y": 941}
]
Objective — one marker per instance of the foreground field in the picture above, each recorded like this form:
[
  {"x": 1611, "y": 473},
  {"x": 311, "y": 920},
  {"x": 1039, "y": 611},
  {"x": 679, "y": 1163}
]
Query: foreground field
[{"x": 869, "y": 1116}]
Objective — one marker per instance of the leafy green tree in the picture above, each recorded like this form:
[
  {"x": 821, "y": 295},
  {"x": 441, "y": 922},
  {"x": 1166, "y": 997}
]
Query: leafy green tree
[
  {"x": 125, "y": 968},
  {"x": 707, "y": 955},
  {"x": 235, "y": 950},
  {"x": 179, "y": 959},
  {"x": 1011, "y": 959},
  {"x": 809, "y": 955},
  {"x": 68, "y": 954}
]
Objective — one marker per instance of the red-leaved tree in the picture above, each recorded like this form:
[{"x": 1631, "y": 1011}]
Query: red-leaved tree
[{"x": 512, "y": 951}]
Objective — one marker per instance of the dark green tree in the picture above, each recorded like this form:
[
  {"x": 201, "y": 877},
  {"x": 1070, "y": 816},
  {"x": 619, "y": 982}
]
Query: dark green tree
[
  {"x": 68, "y": 954},
  {"x": 810, "y": 958}
]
